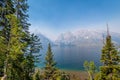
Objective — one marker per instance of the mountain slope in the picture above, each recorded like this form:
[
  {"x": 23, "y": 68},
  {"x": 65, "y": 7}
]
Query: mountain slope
[
  {"x": 44, "y": 40},
  {"x": 85, "y": 38}
]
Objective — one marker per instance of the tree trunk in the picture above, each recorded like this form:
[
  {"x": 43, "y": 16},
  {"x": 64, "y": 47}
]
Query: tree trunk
[{"x": 4, "y": 77}]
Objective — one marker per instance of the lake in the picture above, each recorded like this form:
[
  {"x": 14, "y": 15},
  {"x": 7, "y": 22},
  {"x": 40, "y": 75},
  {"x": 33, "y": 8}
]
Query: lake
[{"x": 73, "y": 57}]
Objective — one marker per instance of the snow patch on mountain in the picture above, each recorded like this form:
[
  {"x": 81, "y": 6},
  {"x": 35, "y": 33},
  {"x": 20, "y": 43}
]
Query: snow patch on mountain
[
  {"x": 80, "y": 38},
  {"x": 85, "y": 38}
]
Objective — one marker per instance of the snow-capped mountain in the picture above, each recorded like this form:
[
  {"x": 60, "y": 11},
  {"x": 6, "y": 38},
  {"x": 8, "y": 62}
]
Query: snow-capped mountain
[
  {"x": 80, "y": 38},
  {"x": 86, "y": 38}
]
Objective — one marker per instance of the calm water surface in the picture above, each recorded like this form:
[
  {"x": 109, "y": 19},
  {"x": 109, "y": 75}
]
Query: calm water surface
[{"x": 73, "y": 57}]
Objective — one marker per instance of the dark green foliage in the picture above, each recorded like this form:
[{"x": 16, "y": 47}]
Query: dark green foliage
[
  {"x": 110, "y": 58},
  {"x": 6, "y": 8},
  {"x": 109, "y": 53},
  {"x": 49, "y": 70},
  {"x": 21, "y": 9},
  {"x": 90, "y": 68},
  {"x": 37, "y": 75},
  {"x": 32, "y": 55},
  {"x": 63, "y": 76},
  {"x": 15, "y": 55},
  {"x": 18, "y": 49}
]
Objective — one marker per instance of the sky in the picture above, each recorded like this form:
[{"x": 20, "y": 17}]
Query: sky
[{"x": 52, "y": 17}]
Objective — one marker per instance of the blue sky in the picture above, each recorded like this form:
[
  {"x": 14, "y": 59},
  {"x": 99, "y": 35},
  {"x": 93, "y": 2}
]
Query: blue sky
[{"x": 52, "y": 17}]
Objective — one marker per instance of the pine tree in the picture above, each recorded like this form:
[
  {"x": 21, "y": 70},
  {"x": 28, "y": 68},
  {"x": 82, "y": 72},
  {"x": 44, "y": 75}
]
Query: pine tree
[
  {"x": 13, "y": 22},
  {"x": 34, "y": 47},
  {"x": 50, "y": 65},
  {"x": 15, "y": 56},
  {"x": 21, "y": 9},
  {"x": 32, "y": 56},
  {"x": 31, "y": 52},
  {"x": 110, "y": 58},
  {"x": 90, "y": 68},
  {"x": 37, "y": 75},
  {"x": 6, "y": 8}
]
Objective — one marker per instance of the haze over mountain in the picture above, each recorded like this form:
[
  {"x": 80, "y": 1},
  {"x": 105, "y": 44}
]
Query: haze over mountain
[
  {"x": 81, "y": 38},
  {"x": 86, "y": 38},
  {"x": 73, "y": 48},
  {"x": 44, "y": 40}
]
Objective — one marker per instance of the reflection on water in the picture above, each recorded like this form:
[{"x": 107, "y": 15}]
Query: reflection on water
[{"x": 73, "y": 57}]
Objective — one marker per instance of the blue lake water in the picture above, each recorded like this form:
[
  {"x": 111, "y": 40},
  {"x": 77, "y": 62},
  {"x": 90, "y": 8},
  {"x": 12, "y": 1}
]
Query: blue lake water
[{"x": 73, "y": 57}]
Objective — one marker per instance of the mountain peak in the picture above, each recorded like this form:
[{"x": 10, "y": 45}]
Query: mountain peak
[{"x": 85, "y": 37}]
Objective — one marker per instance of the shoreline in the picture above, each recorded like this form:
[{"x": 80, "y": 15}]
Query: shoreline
[
  {"x": 76, "y": 75},
  {"x": 67, "y": 70}
]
